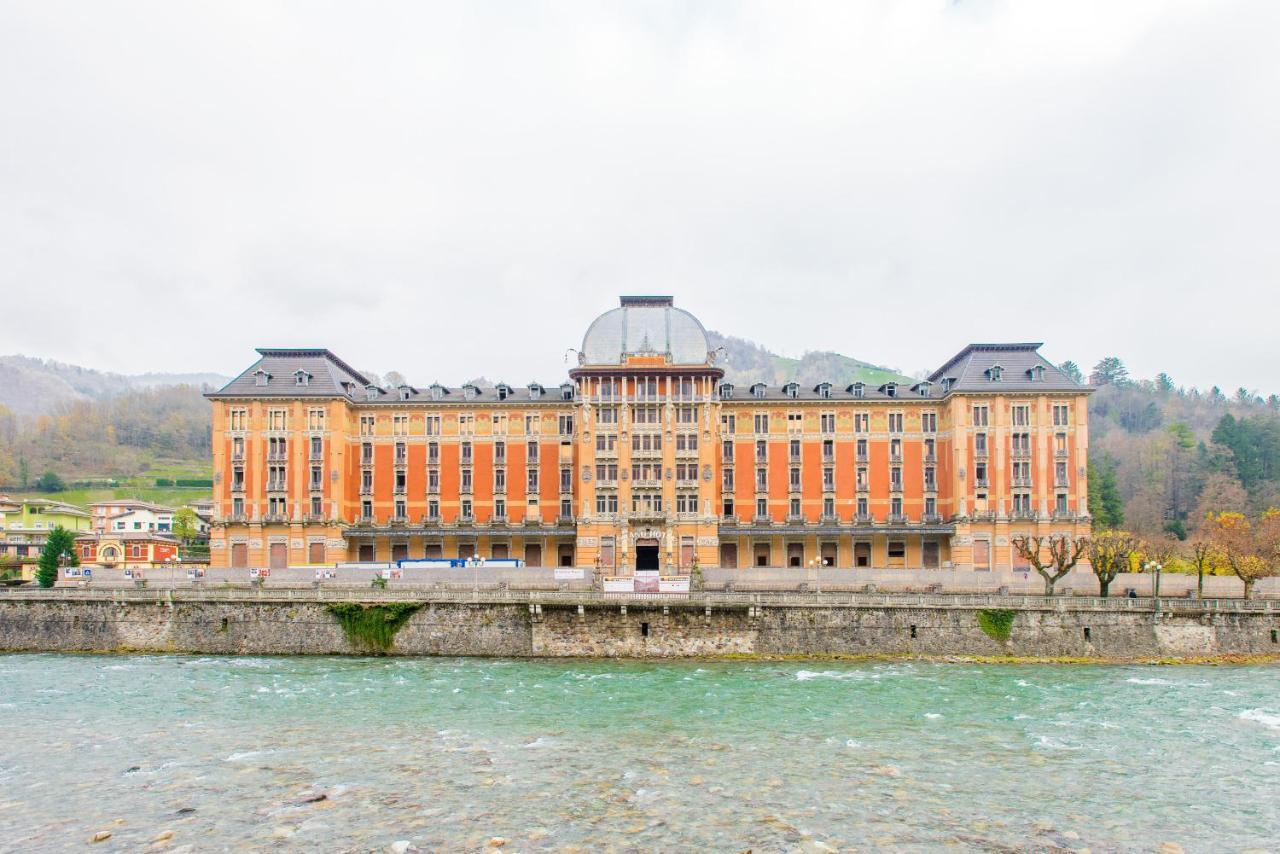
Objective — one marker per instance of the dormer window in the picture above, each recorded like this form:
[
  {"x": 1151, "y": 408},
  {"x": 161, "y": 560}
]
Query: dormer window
[
  {"x": 857, "y": 389},
  {"x": 791, "y": 389},
  {"x": 371, "y": 392},
  {"x": 405, "y": 392},
  {"x": 995, "y": 373},
  {"x": 823, "y": 390},
  {"x": 566, "y": 391},
  {"x": 301, "y": 378},
  {"x": 924, "y": 388},
  {"x": 947, "y": 382},
  {"x": 535, "y": 391},
  {"x": 503, "y": 390},
  {"x": 437, "y": 391},
  {"x": 1036, "y": 373},
  {"x": 726, "y": 391},
  {"x": 890, "y": 389},
  {"x": 758, "y": 390},
  {"x": 470, "y": 392},
  {"x": 261, "y": 377}
]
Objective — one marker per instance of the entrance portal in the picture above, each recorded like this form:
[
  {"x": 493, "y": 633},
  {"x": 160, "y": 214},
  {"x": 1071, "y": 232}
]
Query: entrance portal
[{"x": 646, "y": 555}]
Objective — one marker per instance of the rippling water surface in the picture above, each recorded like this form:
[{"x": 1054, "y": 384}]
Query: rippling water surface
[{"x": 448, "y": 754}]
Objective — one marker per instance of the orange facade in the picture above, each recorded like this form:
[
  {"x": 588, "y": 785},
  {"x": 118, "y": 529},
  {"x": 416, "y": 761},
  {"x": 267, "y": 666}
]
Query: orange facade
[{"x": 647, "y": 458}]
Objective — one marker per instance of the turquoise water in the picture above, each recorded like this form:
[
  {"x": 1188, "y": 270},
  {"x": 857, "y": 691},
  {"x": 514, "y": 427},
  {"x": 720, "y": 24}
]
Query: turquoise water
[{"x": 449, "y": 753}]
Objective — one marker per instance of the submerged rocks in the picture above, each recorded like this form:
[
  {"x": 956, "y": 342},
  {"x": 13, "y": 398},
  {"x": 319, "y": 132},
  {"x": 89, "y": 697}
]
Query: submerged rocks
[{"x": 101, "y": 836}]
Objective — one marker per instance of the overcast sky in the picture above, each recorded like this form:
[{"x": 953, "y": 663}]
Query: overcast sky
[{"x": 457, "y": 190}]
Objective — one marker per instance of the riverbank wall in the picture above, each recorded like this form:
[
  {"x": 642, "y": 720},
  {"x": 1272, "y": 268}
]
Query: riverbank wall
[{"x": 259, "y": 622}]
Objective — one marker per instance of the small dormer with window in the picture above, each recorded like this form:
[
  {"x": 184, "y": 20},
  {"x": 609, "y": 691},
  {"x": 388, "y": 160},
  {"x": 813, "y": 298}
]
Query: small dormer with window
[
  {"x": 726, "y": 391},
  {"x": 823, "y": 390},
  {"x": 995, "y": 373},
  {"x": 502, "y": 390},
  {"x": 436, "y": 391},
  {"x": 406, "y": 391},
  {"x": 261, "y": 377},
  {"x": 349, "y": 388},
  {"x": 566, "y": 391},
  {"x": 924, "y": 388},
  {"x": 372, "y": 392},
  {"x": 889, "y": 389},
  {"x": 947, "y": 383},
  {"x": 1036, "y": 373},
  {"x": 858, "y": 389},
  {"x": 301, "y": 378},
  {"x": 470, "y": 392},
  {"x": 535, "y": 391},
  {"x": 791, "y": 389},
  {"x": 758, "y": 390}
]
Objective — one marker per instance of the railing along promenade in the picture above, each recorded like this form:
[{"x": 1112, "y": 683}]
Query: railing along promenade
[{"x": 493, "y": 595}]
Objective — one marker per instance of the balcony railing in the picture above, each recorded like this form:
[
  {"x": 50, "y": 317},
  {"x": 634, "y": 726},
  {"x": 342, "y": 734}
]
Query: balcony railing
[
  {"x": 931, "y": 457},
  {"x": 980, "y": 453},
  {"x": 863, "y": 456},
  {"x": 1022, "y": 483},
  {"x": 1020, "y": 453},
  {"x": 863, "y": 518},
  {"x": 895, "y": 486},
  {"x": 897, "y": 519},
  {"x": 1061, "y": 453},
  {"x": 931, "y": 518},
  {"x": 237, "y": 487},
  {"x": 981, "y": 483},
  {"x": 277, "y": 486}
]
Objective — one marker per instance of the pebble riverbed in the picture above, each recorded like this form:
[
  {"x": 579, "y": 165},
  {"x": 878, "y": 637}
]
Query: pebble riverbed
[{"x": 189, "y": 753}]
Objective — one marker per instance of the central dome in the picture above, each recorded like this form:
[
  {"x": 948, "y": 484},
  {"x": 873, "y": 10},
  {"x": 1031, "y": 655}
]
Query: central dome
[{"x": 645, "y": 326}]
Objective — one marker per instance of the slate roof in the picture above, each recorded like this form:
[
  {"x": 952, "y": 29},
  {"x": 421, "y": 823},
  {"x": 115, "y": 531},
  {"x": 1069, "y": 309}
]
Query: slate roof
[
  {"x": 327, "y": 375},
  {"x": 968, "y": 370}
]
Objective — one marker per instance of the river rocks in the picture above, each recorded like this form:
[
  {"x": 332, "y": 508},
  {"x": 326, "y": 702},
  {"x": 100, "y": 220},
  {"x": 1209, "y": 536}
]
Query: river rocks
[
  {"x": 101, "y": 836},
  {"x": 1169, "y": 848},
  {"x": 162, "y": 836},
  {"x": 497, "y": 841},
  {"x": 402, "y": 846}
]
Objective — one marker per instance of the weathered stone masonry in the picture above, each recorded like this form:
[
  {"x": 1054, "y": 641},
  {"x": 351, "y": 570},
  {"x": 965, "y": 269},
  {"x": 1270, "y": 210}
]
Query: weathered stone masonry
[{"x": 684, "y": 628}]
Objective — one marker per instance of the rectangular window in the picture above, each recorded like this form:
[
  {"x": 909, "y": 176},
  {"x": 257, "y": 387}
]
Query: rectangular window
[
  {"x": 432, "y": 425},
  {"x": 980, "y": 416},
  {"x": 239, "y": 419},
  {"x": 465, "y": 452},
  {"x": 1021, "y": 415},
  {"x": 761, "y": 422},
  {"x": 1061, "y": 415},
  {"x": 532, "y": 482},
  {"x": 607, "y": 415},
  {"x": 861, "y": 422},
  {"x": 829, "y": 507},
  {"x": 794, "y": 508},
  {"x": 828, "y": 478},
  {"x": 728, "y": 424},
  {"x": 762, "y": 451},
  {"x": 644, "y": 414},
  {"x": 277, "y": 419},
  {"x": 500, "y": 480},
  {"x": 929, "y": 422},
  {"x": 566, "y": 479},
  {"x": 828, "y": 422},
  {"x": 565, "y": 423},
  {"x": 400, "y": 425},
  {"x": 727, "y": 479},
  {"x": 366, "y": 425},
  {"x": 315, "y": 419},
  {"x": 686, "y": 415},
  {"x": 861, "y": 449},
  {"x": 466, "y": 480},
  {"x": 895, "y": 422},
  {"x": 317, "y": 506},
  {"x": 762, "y": 480},
  {"x": 499, "y": 508},
  {"x": 401, "y": 511},
  {"x": 795, "y": 479}
]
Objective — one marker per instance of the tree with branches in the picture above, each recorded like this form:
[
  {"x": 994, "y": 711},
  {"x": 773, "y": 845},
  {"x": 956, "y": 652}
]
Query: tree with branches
[
  {"x": 1251, "y": 549},
  {"x": 1051, "y": 556},
  {"x": 1206, "y": 556},
  {"x": 1111, "y": 553}
]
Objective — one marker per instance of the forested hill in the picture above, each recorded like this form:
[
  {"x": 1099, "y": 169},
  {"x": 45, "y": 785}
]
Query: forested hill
[
  {"x": 747, "y": 362},
  {"x": 30, "y": 386},
  {"x": 1169, "y": 454}
]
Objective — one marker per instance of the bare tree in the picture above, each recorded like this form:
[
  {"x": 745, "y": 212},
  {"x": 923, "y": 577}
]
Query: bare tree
[
  {"x": 1063, "y": 554},
  {"x": 1111, "y": 553}
]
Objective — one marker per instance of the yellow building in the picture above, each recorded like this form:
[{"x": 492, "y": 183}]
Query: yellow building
[{"x": 647, "y": 459}]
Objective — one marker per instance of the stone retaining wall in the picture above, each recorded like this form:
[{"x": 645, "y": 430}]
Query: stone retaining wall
[{"x": 636, "y": 630}]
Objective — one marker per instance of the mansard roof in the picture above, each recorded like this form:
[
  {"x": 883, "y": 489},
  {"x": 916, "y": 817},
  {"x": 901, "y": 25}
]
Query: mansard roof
[
  {"x": 328, "y": 375},
  {"x": 970, "y": 370}
]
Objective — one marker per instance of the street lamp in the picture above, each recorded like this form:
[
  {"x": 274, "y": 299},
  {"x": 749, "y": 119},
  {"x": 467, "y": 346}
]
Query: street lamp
[
  {"x": 171, "y": 561},
  {"x": 1153, "y": 566}
]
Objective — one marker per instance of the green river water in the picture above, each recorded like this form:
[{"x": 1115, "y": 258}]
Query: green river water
[{"x": 446, "y": 754}]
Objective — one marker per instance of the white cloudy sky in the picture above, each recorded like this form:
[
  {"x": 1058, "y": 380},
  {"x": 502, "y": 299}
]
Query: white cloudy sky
[{"x": 455, "y": 190}]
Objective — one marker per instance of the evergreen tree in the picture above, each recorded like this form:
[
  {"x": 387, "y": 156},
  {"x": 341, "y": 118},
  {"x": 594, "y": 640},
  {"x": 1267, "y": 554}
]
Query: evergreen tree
[
  {"x": 1104, "y": 497},
  {"x": 1109, "y": 371},
  {"x": 60, "y": 542},
  {"x": 1072, "y": 370},
  {"x": 1164, "y": 382}
]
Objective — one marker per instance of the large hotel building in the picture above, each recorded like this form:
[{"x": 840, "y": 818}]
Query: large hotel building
[{"x": 646, "y": 458}]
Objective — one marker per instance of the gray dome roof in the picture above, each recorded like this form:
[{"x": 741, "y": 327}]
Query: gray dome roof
[{"x": 645, "y": 325}]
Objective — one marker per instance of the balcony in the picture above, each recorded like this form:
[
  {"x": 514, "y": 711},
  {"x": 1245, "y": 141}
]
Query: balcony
[
  {"x": 863, "y": 486},
  {"x": 316, "y": 486},
  {"x": 433, "y": 460},
  {"x": 897, "y": 519},
  {"x": 647, "y": 516},
  {"x": 980, "y": 453},
  {"x": 1061, "y": 482},
  {"x": 433, "y": 489},
  {"x": 930, "y": 486},
  {"x": 401, "y": 460},
  {"x": 863, "y": 456},
  {"x": 400, "y": 489},
  {"x": 366, "y": 461},
  {"x": 795, "y": 518},
  {"x": 930, "y": 457},
  {"x": 1022, "y": 483},
  {"x": 931, "y": 519},
  {"x": 465, "y": 489},
  {"x": 277, "y": 486},
  {"x": 863, "y": 519},
  {"x": 794, "y": 458},
  {"x": 1023, "y": 514},
  {"x": 762, "y": 520},
  {"x": 237, "y": 456},
  {"x": 895, "y": 486},
  {"x": 237, "y": 487},
  {"x": 895, "y": 457},
  {"x": 1019, "y": 453},
  {"x": 275, "y": 518},
  {"x": 314, "y": 519},
  {"x": 400, "y": 521},
  {"x": 564, "y": 520},
  {"x": 729, "y": 519},
  {"x": 981, "y": 483},
  {"x": 1061, "y": 453}
]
